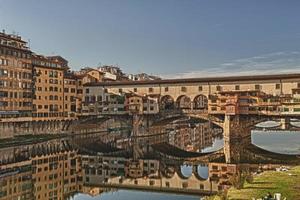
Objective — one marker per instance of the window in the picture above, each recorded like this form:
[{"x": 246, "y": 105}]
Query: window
[
  {"x": 277, "y": 86},
  {"x": 257, "y": 87},
  {"x": 135, "y": 89},
  {"x": 166, "y": 89},
  {"x": 150, "y": 89},
  {"x": 218, "y": 88},
  {"x": 200, "y": 88},
  {"x": 120, "y": 90},
  {"x": 237, "y": 87},
  {"x": 183, "y": 89},
  {"x": 87, "y": 90}
]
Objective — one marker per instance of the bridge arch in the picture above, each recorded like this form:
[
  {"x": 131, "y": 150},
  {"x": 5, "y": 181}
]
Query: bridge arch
[
  {"x": 183, "y": 102},
  {"x": 185, "y": 171},
  {"x": 200, "y": 102},
  {"x": 167, "y": 103}
]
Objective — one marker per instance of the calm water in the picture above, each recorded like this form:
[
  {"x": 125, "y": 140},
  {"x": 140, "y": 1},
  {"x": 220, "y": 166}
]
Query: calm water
[
  {"x": 279, "y": 141},
  {"x": 135, "y": 195}
]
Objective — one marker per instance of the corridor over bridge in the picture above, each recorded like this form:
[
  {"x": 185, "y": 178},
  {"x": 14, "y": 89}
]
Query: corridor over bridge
[{"x": 236, "y": 104}]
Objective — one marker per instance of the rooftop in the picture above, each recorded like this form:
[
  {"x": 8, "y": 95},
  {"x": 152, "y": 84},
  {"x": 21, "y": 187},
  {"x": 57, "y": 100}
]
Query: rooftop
[{"x": 199, "y": 80}]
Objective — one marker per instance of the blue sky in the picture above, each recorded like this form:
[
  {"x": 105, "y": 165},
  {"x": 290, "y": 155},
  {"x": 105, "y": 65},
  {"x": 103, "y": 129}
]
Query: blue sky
[{"x": 173, "y": 38}]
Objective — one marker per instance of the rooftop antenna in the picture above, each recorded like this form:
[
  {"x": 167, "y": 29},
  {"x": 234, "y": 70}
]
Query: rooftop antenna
[{"x": 29, "y": 43}]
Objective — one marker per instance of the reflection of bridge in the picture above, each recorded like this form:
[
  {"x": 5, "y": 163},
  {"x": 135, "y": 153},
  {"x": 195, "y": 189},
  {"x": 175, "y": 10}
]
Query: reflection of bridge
[
  {"x": 237, "y": 112},
  {"x": 174, "y": 184}
]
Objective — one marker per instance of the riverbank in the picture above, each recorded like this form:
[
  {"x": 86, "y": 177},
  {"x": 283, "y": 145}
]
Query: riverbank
[{"x": 287, "y": 183}]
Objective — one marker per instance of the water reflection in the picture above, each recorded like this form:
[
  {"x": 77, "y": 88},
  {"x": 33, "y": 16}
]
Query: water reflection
[{"x": 194, "y": 164}]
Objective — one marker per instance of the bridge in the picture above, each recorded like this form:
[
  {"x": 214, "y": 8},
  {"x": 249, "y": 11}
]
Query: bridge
[{"x": 236, "y": 112}]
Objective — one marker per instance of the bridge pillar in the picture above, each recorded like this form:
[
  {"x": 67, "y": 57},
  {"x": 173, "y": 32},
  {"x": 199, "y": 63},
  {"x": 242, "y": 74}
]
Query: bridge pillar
[
  {"x": 237, "y": 128},
  {"x": 285, "y": 123}
]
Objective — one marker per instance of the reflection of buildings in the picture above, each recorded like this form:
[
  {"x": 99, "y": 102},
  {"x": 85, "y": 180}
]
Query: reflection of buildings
[
  {"x": 191, "y": 137},
  {"x": 97, "y": 169},
  {"x": 16, "y": 181},
  {"x": 57, "y": 171},
  {"x": 56, "y": 175},
  {"x": 48, "y": 172}
]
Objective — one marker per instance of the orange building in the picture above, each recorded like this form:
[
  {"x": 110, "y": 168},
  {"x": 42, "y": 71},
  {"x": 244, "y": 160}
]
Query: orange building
[
  {"x": 73, "y": 92},
  {"x": 48, "y": 99},
  {"x": 15, "y": 78}
]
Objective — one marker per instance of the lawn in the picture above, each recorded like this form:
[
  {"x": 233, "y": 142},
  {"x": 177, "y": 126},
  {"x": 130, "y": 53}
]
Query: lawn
[{"x": 270, "y": 181}]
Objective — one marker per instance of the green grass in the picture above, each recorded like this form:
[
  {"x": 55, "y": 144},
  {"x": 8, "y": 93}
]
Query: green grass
[{"x": 270, "y": 181}]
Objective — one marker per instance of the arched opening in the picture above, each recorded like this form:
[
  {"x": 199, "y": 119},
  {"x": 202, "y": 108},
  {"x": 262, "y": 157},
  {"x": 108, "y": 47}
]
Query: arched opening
[
  {"x": 183, "y": 102},
  {"x": 167, "y": 103},
  {"x": 200, "y": 102}
]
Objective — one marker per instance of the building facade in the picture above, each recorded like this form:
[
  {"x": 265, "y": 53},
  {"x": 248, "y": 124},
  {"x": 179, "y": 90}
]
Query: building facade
[
  {"x": 15, "y": 78},
  {"x": 48, "y": 99},
  {"x": 194, "y": 94}
]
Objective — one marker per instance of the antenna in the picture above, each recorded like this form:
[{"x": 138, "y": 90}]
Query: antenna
[{"x": 29, "y": 43}]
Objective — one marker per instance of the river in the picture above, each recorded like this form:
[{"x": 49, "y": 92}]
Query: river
[{"x": 277, "y": 141}]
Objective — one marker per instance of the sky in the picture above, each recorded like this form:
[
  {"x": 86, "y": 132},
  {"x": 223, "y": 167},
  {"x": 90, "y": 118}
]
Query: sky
[{"x": 170, "y": 38}]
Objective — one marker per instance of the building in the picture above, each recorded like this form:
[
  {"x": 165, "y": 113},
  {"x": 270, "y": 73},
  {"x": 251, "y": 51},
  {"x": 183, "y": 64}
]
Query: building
[
  {"x": 73, "y": 91},
  {"x": 113, "y": 73},
  {"x": 142, "y": 77},
  {"x": 48, "y": 80},
  {"x": 248, "y": 102},
  {"x": 15, "y": 78},
  {"x": 90, "y": 75},
  {"x": 194, "y": 93}
]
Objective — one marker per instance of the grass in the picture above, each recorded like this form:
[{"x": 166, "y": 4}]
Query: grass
[{"x": 270, "y": 181}]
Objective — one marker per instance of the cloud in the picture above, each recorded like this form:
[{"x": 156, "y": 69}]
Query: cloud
[{"x": 272, "y": 63}]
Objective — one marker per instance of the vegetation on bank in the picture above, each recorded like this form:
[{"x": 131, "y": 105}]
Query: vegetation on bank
[
  {"x": 28, "y": 139},
  {"x": 287, "y": 183}
]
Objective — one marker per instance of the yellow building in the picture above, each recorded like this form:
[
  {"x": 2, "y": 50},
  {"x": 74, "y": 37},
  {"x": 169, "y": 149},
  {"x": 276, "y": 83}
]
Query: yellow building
[
  {"x": 15, "y": 78},
  {"x": 48, "y": 101}
]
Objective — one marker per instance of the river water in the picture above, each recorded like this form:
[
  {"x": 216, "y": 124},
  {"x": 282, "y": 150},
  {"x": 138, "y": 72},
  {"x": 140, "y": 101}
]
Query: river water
[{"x": 277, "y": 141}]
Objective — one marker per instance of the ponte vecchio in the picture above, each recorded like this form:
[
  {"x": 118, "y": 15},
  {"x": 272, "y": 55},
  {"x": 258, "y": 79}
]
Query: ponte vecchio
[{"x": 234, "y": 103}]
